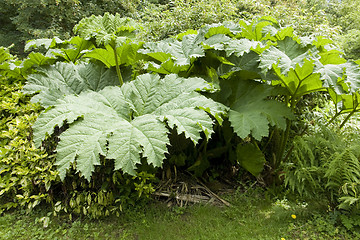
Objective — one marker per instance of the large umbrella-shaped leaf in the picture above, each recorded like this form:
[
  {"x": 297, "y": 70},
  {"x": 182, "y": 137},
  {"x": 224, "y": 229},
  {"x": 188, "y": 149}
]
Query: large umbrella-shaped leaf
[
  {"x": 105, "y": 29},
  {"x": 127, "y": 123},
  {"x": 250, "y": 110},
  {"x": 174, "y": 56},
  {"x": 301, "y": 79},
  {"x": 286, "y": 55}
]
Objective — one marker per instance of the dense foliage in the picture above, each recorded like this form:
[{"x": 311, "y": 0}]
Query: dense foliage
[
  {"x": 26, "y": 172},
  {"x": 162, "y": 18},
  {"x": 257, "y": 73},
  {"x": 345, "y": 13},
  {"x": 43, "y": 19},
  {"x": 111, "y": 110}
]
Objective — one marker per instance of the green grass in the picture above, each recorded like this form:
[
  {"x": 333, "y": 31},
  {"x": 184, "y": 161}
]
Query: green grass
[{"x": 251, "y": 216}]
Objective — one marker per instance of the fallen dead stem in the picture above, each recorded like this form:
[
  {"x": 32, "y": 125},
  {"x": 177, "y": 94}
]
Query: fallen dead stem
[{"x": 187, "y": 189}]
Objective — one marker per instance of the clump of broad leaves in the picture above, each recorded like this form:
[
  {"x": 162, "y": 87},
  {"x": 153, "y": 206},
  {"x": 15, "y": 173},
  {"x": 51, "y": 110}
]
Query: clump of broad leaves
[{"x": 120, "y": 97}]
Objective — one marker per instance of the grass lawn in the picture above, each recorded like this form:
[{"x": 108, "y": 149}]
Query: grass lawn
[{"x": 251, "y": 216}]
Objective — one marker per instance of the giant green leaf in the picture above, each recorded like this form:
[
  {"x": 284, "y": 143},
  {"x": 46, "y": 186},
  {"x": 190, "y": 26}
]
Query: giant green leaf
[
  {"x": 302, "y": 69},
  {"x": 127, "y": 54},
  {"x": 149, "y": 95},
  {"x": 256, "y": 30},
  {"x": 227, "y": 28},
  {"x": 105, "y": 29},
  {"x": 215, "y": 36},
  {"x": 127, "y": 123},
  {"x": 68, "y": 109},
  {"x": 251, "y": 112},
  {"x": 37, "y": 59},
  {"x": 84, "y": 140},
  {"x": 331, "y": 57},
  {"x": 247, "y": 66},
  {"x": 301, "y": 79},
  {"x": 167, "y": 67},
  {"x": 216, "y": 42},
  {"x": 286, "y": 55},
  {"x": 55, "y": 81},
  {"x": 174, "y": 56},
  {"x": 352, "y": 77},
  {"x": 188, "y": 49},
  {"x": 345, "y": 103},
  {"x": 332, "y": 76},
  {"x": 104, "y": 55},
  {"x": 239, "y": 47},
  {"x": 250, "y": 158},
  {"x": 42, "y": 42},
  {"x": 160, "y": 51},
  {"x": 73, "y": 49}
]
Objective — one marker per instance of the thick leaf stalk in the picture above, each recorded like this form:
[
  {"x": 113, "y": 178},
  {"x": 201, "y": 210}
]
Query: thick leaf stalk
[{"x": 117, "y": 65}]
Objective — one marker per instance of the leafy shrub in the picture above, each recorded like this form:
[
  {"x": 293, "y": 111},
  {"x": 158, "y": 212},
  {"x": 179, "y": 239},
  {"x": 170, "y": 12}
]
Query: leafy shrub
[
  {"x": 169, "y": 20},
  {"x": 306, "y": 18},
  {"x": 345, "y": 14},
  {"x": 109, "y": 193},
  {"x": 305, "y": 172},
  {"x": 26, "y": 173},
  {"x": 325, "y": 167},
  {"x": 322, "y": 226},
  {"x": 350, "y": 42}
]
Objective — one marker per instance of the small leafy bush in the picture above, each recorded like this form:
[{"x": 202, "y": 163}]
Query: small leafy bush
[
  {"x": 26, "y": 172},
  {"x": 324, "y": 167},
  {"x": 306, "y": 17},
  {"x": 306, "y": 170},
  {"x": 110, "y": 192},
  {"x": 169, "y": 20}
]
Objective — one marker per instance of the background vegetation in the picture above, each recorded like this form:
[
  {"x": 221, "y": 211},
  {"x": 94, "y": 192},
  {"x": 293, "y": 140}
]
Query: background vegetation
[{"x": 22, "y": 20}]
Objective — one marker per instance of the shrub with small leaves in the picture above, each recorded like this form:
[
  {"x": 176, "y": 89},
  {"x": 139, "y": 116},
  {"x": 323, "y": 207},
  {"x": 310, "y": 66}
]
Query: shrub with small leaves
[{"x": 26, "y": 173}]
